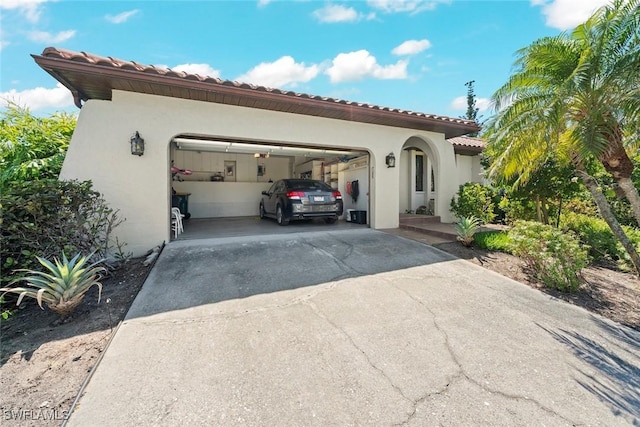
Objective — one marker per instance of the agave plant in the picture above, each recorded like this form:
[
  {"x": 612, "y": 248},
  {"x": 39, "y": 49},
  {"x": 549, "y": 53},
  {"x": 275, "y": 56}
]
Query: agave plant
[
  {"x": 63, "y": 287},
  {"x": 466, "y": 228}
]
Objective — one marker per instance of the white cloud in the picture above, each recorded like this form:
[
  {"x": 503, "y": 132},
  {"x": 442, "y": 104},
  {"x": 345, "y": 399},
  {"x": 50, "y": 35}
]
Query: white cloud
[
  {"x": 332, "y": 13},
  {"x": 29, "y": 8},
  {"x": 38, "y": 98},
  {"x": 46, "y": 37},
  {"x": 263, "y": 3},
  {"x": 358, "y": 65},
  {"x": 411, "y": 47},
  {"x": 284, "y": 71},
  {"x": 460, "y": 103},
  {"x": 121, "y": 17},
  {"x": 3, "y": 44},
  {"x": 204, "y": 70},
  {"x": 567, "y": 14},
  {"x": 483, "y": 104},
  {"x": 409, "y": 6}
]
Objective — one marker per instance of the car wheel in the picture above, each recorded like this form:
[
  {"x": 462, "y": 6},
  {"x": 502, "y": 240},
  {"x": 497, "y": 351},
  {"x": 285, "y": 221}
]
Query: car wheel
[
  {"x": 280, "y": 216},
  {"x": 262, "y": 212},
  {"x": 330, "y": 220}
]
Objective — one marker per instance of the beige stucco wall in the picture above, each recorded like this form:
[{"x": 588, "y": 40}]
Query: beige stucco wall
[
  {"x": 464, "y": 165},
  {"x": 469, "y": 169},
  {"x": 139, "y": 186}
]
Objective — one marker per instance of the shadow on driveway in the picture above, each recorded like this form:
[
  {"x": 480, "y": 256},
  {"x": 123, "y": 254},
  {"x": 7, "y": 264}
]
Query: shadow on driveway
[
  {"x": 615, "y": 380},
  {"x": 197, "y": 272}
]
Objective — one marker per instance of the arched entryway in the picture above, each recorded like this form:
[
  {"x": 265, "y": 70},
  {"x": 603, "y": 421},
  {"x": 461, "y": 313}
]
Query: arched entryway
[{"x": 419, "y": 167}]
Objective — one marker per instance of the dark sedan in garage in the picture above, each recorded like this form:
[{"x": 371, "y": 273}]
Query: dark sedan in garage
[{"x": 291, "y": 199}]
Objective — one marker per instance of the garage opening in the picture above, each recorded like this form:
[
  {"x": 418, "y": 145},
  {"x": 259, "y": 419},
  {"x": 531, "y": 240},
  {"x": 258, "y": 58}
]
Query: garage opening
[{"x": 218, "y": 183}]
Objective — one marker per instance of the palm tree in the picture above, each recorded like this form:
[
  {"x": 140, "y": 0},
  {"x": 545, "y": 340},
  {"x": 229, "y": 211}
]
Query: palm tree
[{"x": 573, "y": 97}]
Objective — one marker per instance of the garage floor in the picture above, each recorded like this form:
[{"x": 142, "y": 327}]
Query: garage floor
[{"x": 205, "y": 228}]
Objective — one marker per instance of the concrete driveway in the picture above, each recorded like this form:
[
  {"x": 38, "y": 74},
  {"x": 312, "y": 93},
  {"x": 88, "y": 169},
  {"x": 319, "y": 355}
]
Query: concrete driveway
[{"x": 356, "y": 327}]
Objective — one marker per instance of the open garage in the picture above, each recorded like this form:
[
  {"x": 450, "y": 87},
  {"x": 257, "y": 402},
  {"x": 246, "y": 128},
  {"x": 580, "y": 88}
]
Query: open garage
[{"x": 216, "y": 178}]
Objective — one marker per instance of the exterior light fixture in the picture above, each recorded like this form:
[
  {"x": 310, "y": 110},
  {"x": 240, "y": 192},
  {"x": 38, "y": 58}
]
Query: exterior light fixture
[
  {"x": 390, "y": 160},
  {"x": 137, "y": 145}
]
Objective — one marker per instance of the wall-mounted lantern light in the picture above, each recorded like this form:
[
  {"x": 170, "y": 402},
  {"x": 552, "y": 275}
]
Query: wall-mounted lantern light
[
  {"x": 391, "y": 160},
  {"x": 137, "y": 145}
]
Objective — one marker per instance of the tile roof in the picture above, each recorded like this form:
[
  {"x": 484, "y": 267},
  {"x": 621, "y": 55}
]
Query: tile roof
[
  {"x": 90, "y": 76},
  {"x": 468, "y": 142}
]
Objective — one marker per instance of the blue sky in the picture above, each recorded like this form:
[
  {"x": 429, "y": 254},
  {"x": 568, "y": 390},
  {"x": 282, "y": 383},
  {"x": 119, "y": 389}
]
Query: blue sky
[{"x": 409, "y": 54}]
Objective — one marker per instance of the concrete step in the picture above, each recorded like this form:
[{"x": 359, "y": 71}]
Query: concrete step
[{"x": 443, "y": 231}]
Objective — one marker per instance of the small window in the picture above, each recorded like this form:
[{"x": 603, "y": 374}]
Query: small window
[{"x": 419, "y": 172}]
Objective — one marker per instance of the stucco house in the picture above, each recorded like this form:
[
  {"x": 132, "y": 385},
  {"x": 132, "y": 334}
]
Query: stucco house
[{"x": 238, "y": 137}]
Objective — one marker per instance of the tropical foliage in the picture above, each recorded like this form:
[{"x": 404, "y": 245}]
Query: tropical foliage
[
  {"x": 554, "y": 256},
  {"x": 575, "y": 98},
  {"x": 46, "y": 217},
  {"x": 597, "y": 236},
  {"x": 63, "y": 287},
  {"x": 32, "y": 147},
  {"x": 474, "y": 200},
  {"x": 466, "y": 228},
  {"x": 492, "y": 240},
  {"x": 40, "y": 215}
]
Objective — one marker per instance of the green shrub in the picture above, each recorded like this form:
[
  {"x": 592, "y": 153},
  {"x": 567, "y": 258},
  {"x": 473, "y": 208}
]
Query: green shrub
[
  {"x": 492, "y": 240},
  {"x": 473, "y": 200},
  {"x": 466, "y": 228},
  {"x": 595, "y": 233},
  {"x": 517, "y": 209},
  {"x": 555, "y": 256},
  {"x": 48, "y": 217}
]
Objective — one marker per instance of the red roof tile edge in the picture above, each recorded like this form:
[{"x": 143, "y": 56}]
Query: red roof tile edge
[
  {"x": 52, "y": 52},
  {"x": 468, "y": 141}
]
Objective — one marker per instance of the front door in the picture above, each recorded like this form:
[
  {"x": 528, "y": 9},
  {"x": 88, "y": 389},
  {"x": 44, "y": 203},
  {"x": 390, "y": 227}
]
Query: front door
[{"x": 419, "y": 178}]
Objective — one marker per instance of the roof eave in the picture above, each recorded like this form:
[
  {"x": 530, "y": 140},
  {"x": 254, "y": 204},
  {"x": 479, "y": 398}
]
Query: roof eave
[
  {"x": 283, "y": 100},
  {"x": 467, "y": 151}
]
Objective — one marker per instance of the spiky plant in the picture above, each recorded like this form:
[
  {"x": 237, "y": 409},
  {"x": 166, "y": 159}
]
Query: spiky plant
[
  {"x": 63, "y": 287},
  {"x": 466, "y": 228}
]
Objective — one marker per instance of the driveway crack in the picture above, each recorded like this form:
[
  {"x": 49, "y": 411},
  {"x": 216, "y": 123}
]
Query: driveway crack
[
  {"x": 463, "y": 374},
  {"x": 348, "y": 270},
  {"x": 318, "y": 313}
]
